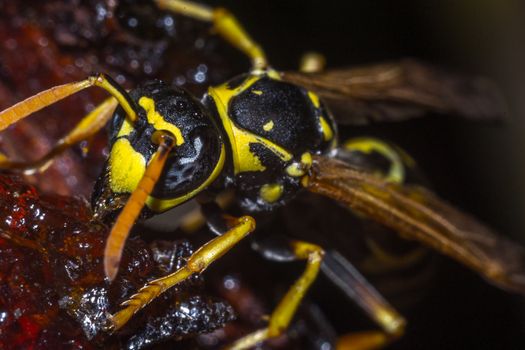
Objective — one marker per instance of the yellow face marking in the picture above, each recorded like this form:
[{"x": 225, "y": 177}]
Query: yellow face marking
[
  {"x": 328, "y": 133},
  {"x": 367, "y": 145},
  {"x": 271, "y": 193},
  {"x": 268, "y": 126},
  {"x": 159, "y": 205},
  {"x": 158, "y": 122},
  {"x": 126, "y": 165},
  {"x": 314, "y": 98},
  {"x": 257, "y": 92},
  {"x": 126, "y": 128},
  {"x": 240, "y": 139}
]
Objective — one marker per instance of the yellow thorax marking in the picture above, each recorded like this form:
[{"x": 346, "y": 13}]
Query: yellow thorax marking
[
  {"x": 268, "y": 126},
  {"x": 328, "y": 134},
  {"x": 396, "y": 173},
  {"x": 157, "y": 120},
  {"x": 159, "y": 205},
  {"x": 127, "y": 167},
  {"x": 327, "y": 131},
  {"x": 240, "y": 139},
  {"x": 306, "y": 159},
  {"x": 271, "y": 193},
  {"x": 314, "y": 98},
  {"x": 298, "y": 169}
]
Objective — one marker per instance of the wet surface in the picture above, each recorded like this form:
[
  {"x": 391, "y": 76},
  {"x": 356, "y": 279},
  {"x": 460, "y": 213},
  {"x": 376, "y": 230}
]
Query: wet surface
[{"x": 53, "y": 291}]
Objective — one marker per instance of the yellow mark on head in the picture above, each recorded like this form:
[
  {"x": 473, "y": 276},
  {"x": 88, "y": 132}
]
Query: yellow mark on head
[
  {"x": 271, "y": 193},
  {"x": 160, "y": 205},
  {"x": 328, "y": 133},
  {"x": 126, "y": 165},
  {"x": 257, "y": 92},
  {"x": 268, "y": 126},
  {"x": 314, "y": 98},
  {"x": 158, "y": 122},
  {"x": 126, "y": 128}
]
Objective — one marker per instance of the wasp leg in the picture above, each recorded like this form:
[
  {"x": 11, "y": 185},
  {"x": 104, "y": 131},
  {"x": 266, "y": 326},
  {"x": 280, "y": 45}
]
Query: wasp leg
[
  {"x": 48, "y": 97},
  {"x": 283, "y": 313},
  {"x": 120, "y": 231},
  {"x": 344, "y": 275},
  {"x": 85, "y": 129},
  {"x": 312, "y": 62},
  {"x": 365, "y": 340},
  {"x": 224, "y": 23},
  {"x": 197, "y": 263},
  {"x": 198, "y": 217}
]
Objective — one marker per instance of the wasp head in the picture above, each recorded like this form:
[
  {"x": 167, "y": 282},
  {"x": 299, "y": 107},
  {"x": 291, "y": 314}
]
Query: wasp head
[{"x": 193, "y": 164}]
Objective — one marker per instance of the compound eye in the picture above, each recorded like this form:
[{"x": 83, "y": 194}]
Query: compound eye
[{"x": 181, "y": 105}]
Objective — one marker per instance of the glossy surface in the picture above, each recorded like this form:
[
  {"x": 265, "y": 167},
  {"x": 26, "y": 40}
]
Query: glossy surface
[
  {"x": 53, "y": 291},
  {"x": 271, "y": 126},
  {"x": 196, "y": 160}
]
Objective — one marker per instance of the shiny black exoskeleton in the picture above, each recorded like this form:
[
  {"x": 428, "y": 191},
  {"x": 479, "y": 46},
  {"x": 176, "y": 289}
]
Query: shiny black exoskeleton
[{"x": 255, "y": 133}]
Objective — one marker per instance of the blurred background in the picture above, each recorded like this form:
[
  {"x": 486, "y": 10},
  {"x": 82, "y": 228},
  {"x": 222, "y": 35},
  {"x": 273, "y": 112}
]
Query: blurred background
[{"x": 479, "y": 167}]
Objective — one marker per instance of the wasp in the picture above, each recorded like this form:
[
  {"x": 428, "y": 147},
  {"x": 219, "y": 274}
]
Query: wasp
[{"x": 269, "y": 135}]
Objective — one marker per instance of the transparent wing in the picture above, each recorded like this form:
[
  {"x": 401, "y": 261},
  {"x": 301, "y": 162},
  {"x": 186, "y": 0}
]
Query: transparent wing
[
  {"x": 401, "y": 90},
  {"x": 418, "y": 214}
]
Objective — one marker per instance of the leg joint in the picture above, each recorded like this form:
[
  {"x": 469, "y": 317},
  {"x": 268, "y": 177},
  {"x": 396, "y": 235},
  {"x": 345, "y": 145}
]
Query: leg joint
[
  {"x": 307, "y": 251},
  {"x": 248, "y": 221}
]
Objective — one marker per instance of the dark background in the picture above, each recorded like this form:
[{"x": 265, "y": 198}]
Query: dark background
[{"x": 478, "y": 167}]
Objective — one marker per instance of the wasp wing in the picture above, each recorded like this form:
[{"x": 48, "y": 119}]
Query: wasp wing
[
  {"x": 418, "y": 214},
  {"x": 401, "y": 90}
]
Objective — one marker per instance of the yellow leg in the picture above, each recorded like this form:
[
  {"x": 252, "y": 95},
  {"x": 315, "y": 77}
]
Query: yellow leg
[
  {"x": 48, "y": 97},
  {"x": 120, "y": 231},
  {"x": 93, "y": 122},
  {"x": 366, "y": 340},
  {"x": 350, "y": 281},
  {"x": 87, "y": 127},
  {"x": 197, "y": 263},
  {"x": 283, "y": 313},
  {"x": 224, "y": 23}
]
